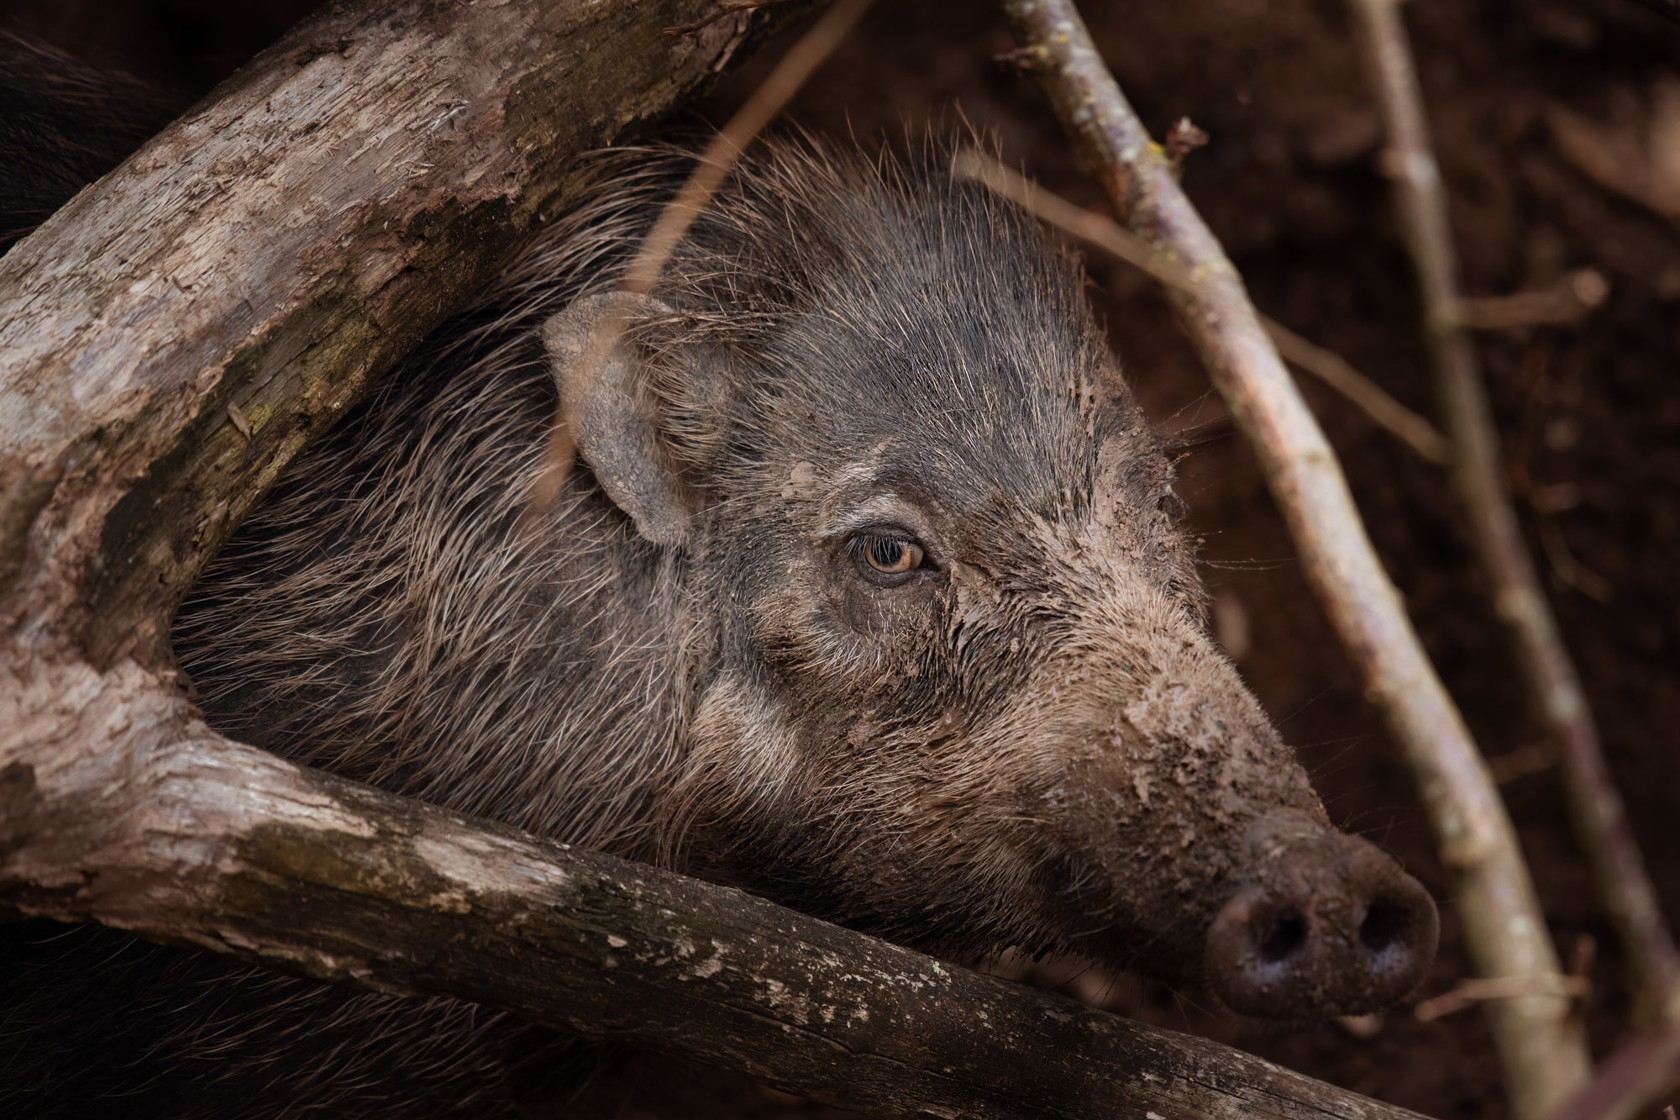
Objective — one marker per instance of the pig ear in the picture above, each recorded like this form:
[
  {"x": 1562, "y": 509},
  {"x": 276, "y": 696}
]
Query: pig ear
[{"x": 614, "y": 412}]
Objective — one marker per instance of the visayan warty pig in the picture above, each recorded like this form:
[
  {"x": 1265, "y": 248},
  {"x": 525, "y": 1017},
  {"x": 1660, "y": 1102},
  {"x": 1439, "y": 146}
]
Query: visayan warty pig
[{"x": 865, "y": 593}]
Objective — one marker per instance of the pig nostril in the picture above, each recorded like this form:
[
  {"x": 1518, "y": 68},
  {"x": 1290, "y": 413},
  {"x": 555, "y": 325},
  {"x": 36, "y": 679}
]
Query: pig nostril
[
  {"x": 1336, "y": 929},
  {"x": 1283, "y": 938},
  {"x": 1385, "y": 925}
]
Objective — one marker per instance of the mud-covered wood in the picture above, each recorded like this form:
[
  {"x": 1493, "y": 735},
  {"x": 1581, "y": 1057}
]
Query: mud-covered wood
[
  {"x": 235, "y": 850},
  {"x": 274, "y": 249}
]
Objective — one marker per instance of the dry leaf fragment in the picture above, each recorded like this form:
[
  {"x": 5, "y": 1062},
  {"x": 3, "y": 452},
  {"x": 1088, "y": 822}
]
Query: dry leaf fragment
[{"x": 239, "y": 420}]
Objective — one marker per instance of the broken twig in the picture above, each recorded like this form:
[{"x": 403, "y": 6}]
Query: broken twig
[
  {"x": 1554, "y": 688},
  {"x": 1581, "y": 292},
  {"x": 1480, "y": 990},
  {"x": 1538, "y": 1037}
]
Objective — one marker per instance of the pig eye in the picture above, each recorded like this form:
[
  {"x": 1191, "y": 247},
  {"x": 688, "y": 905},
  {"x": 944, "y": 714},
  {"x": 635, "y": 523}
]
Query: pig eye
[{"x": 886, "y": 556}]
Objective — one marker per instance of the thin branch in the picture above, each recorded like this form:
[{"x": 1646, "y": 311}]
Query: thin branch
[
  {"x": 1331, "y": 368},
  {"x": 1538, "y": 1037},
  {"x": 1520, "y": 762},
  {"x": 1553, "y": 686},
  {"x": 1564, "y": 565},
  {"x": 1334, "y": 370},
  {"x": 1480, "y": 990},
  {"x": 1627, "y": 159},
  {"x": 1577, "y": 296},
  {"x": 714, "y": 165},
  {"x": 1627, "y": 1081}
]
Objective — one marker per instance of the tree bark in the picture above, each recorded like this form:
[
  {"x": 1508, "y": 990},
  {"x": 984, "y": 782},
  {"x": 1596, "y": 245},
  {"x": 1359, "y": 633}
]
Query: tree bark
[{"x": 167, "y": 342}]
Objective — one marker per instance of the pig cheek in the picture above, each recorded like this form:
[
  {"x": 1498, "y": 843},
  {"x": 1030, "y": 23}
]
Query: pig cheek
[
  {"x": 837, "y": 650},
  {"x": 797, "y": 715},
  {"x": 742, "y": 765}
]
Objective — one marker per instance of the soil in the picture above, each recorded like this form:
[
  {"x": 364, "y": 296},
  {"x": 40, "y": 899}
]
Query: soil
[{"x": 1556, "y": 123}]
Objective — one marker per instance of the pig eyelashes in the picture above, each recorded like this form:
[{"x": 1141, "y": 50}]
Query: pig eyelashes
[
  {"x": 888, "y": 556},
  {"x": 892, "y": 557}
]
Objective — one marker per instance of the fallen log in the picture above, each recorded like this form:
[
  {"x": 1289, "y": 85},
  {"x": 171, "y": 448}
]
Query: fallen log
[{"x": 187, "y": 838}]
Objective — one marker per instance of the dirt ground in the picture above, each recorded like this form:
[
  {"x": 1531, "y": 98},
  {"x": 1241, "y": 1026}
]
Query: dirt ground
[{"x": 1557, "y": 123}]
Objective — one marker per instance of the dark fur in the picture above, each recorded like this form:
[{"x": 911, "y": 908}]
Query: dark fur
[
  {"x": 1029, "y": 742},
  {"x": 62, "y": 125}
]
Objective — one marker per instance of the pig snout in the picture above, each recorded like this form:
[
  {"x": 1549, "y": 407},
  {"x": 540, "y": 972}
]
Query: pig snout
[{"x": 1329, "y": 925}]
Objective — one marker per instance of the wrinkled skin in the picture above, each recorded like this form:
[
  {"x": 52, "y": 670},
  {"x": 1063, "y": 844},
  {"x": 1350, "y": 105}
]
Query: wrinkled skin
[{"x": 864, "y": 593}]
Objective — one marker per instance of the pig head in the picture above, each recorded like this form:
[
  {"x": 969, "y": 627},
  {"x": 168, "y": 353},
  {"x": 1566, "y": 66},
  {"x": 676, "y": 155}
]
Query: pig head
[{"x": 949, "y": 673}]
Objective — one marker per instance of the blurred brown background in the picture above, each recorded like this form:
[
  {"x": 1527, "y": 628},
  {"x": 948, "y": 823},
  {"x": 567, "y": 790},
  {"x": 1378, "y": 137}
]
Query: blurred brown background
[{"x": 1557, "y": 123}]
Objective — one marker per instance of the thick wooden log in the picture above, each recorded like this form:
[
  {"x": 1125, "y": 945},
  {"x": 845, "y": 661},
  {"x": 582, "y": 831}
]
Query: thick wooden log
[{"x": 188, "y": 838}]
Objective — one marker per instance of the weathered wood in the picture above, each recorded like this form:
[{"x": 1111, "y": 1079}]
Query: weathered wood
[
  {"x": 232, "y": 849},
  {"x": 274, "y": 251}
]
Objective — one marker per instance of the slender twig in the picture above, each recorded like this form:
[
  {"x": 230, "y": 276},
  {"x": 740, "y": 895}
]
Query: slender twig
[
  {"x": 1578, "y": 295},
  {"x": 1554, "y": 688},
  {"x": 1335, "y": 371},
  {"x": 1564, "y": 565},
  {"x": 1539, "y": 1039},
  {"x": 713, "y": 167},
  {"x": 1480, "y": 990},
  {"x": 1630, "y": 1079},
  {"x": 1329, "y": 367},
  {"x": 1530, "y": 758}
]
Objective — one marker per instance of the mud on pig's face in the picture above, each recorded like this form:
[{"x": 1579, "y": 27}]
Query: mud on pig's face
[{"x": 962, "y": 692}]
